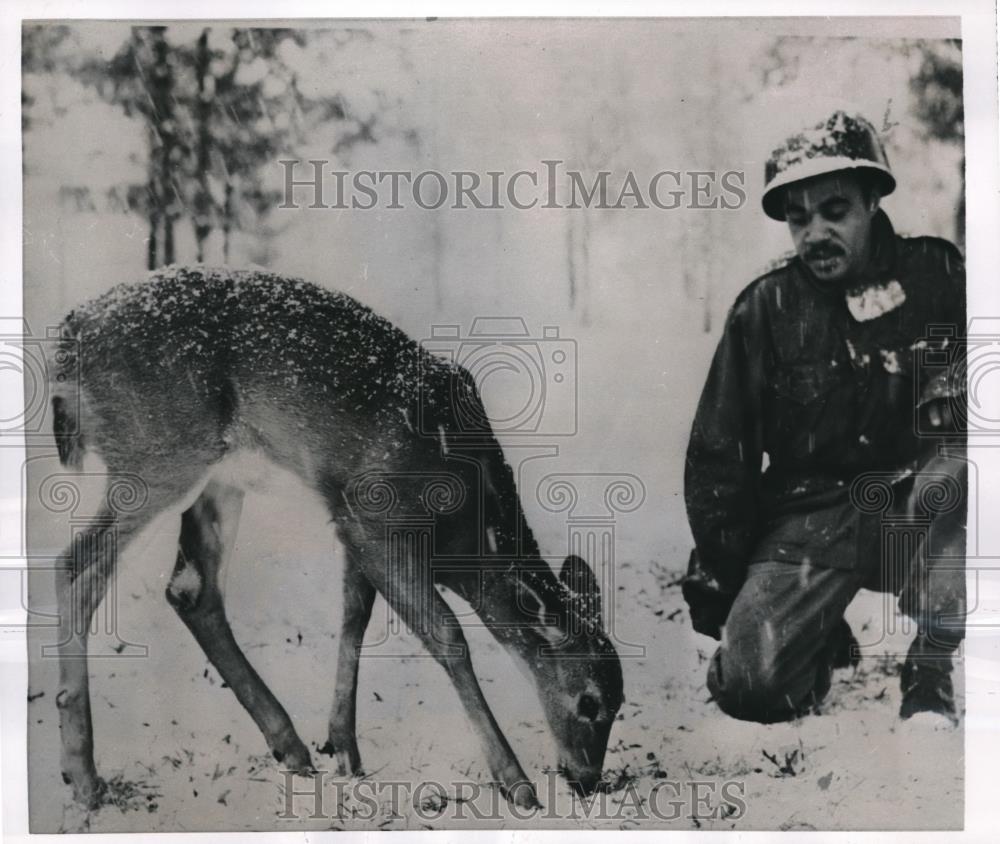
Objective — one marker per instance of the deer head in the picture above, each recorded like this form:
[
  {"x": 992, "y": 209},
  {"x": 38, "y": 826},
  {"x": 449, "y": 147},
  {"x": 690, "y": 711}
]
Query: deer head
[{"x": 574, "y": 664}]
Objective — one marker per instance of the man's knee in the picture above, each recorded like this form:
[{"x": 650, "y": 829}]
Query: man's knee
[{"x": 759, "y": 689}]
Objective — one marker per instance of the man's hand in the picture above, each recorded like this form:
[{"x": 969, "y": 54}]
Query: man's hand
[
  {"x": 939, "y": 414},
  {"x": 708, "y": 603}
]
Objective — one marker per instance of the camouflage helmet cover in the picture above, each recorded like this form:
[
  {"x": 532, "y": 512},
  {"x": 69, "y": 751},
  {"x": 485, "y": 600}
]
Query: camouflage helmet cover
[{"x": 841, "y": 142}]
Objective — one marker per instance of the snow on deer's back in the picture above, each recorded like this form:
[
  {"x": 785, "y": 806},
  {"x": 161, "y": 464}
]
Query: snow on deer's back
[{"x": 255, "y": 347}]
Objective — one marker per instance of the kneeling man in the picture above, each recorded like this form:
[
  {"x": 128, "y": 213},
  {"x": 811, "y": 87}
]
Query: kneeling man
[{"x": 810, "y": 445}]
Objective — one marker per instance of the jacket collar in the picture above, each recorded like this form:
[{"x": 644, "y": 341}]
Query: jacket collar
[{"x": 882, "y": 264}]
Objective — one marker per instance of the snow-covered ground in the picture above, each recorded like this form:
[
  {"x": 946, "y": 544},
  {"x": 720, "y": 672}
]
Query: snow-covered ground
[{"x": 181, "y": 754}]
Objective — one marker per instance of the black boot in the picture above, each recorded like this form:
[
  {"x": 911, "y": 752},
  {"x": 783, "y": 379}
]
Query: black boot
[
  {"x": 845, "y": 652},
  {"x": 841, "y": 651},
  {"x": 927, "y": 687}
]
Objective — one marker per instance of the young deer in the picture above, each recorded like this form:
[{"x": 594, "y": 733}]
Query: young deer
[{"x": 197, "y": 364}]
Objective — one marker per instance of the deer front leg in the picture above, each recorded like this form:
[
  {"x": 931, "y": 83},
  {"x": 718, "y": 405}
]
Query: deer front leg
[
  {"x": 208, "y": 531},
  {"x": 359, "y": 596},
  {"x": 426, "y": 613}
]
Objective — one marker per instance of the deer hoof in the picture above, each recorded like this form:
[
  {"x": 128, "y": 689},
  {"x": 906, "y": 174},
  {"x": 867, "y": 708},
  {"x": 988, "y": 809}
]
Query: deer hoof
[
  {"x": 88, "y": 790},
  {"x": 296, "y": 759},
  {"x": 522, "y": 794},
  {"x": 348, "y": 759}
]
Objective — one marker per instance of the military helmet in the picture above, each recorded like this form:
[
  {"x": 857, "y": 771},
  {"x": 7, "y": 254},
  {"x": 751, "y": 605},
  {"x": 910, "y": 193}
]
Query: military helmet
[{"x": 841, "y": 142}]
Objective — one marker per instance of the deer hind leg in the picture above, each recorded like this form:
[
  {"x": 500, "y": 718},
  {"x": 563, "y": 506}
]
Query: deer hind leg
[
  {"x": 359, "y": 596},
  {"x": 84, "y": 571},
  {"x": 405, "y": 582},
  {"x": 82, "y": 577},
  {"x": 208, "y": 532}
]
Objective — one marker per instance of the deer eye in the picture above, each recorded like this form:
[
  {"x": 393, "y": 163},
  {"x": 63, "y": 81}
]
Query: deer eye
[{"x": 588, "y": 707}]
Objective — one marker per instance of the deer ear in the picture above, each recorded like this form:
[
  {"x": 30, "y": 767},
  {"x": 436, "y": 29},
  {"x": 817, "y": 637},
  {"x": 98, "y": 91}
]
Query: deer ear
[{"x": 579, "y": 579}]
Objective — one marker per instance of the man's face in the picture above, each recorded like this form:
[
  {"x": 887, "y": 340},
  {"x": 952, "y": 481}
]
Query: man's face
[{"x": 830, "y": 221}]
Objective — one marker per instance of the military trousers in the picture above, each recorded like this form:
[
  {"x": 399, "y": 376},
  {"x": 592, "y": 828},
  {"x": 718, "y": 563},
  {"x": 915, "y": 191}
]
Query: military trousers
[{"x": 778, "y": 644}]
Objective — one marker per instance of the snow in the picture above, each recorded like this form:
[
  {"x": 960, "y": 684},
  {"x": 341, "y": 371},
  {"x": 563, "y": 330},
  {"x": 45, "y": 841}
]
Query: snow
[
  {"x": 183, "y": 755},
  {"x": 890, "y": 360},
  {"x": 188, "y": 581},
  {"x": 876, "y": 300}
]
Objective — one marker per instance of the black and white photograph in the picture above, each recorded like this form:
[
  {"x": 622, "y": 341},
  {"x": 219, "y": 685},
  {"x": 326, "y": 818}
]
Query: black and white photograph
[{"x": 498, "y": 424}]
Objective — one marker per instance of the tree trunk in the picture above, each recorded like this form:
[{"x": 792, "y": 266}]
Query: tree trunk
[
  {"x": 203, "y": 198},
  {"x": 154, "y": 224},
  {"x": 227, "y": 216},
  {"x": 960, "y": 212},
  {"x": 168, "y": 239},
  {"x": 165, "y": 133}
]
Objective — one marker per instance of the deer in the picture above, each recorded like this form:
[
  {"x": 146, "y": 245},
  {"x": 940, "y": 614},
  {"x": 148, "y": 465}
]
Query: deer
[{"x": 169, "y": 378}]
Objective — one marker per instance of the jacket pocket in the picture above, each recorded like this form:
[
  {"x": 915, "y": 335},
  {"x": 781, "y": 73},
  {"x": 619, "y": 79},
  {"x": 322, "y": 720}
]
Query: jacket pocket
[{"x": 808, "y": 419}]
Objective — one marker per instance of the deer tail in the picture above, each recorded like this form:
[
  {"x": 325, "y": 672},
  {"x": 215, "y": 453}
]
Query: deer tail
[{"x": 66, "y": 429}]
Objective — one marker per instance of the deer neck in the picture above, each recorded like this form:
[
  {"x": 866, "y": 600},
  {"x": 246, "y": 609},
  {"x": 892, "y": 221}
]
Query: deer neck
[{"x": 508, "y": 606}]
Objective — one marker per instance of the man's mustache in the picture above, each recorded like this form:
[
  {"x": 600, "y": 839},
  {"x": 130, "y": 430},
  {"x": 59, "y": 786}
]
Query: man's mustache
[{"x": 822, "y": 251}]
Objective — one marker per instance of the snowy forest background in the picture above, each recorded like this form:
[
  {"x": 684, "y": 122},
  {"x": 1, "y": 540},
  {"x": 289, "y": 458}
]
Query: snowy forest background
[{"x": 150, "y": 145}]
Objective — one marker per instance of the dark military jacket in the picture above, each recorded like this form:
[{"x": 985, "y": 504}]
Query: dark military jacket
[{"x": 811, "y": 388}]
